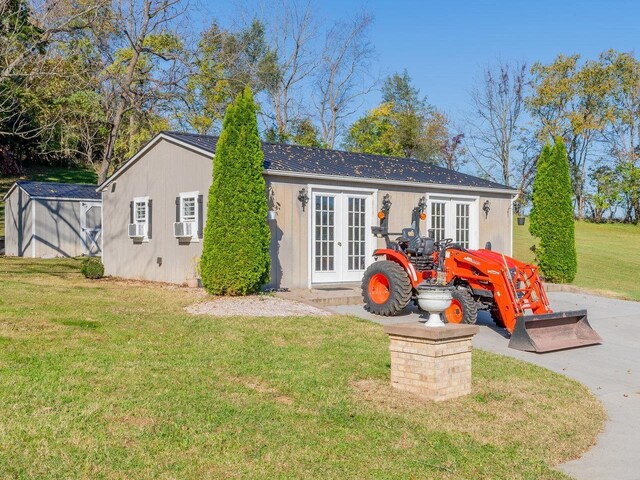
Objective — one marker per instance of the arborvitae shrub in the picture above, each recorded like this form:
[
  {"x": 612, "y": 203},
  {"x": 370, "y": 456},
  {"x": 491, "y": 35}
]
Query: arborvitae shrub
[
  {"x": 235, "y": 257},
  {"x": 551, "y": 219}
]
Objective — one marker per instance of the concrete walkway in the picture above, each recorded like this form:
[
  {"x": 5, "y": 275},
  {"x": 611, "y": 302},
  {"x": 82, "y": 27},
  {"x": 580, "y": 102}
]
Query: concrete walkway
[{"x": 611, "y": 371}]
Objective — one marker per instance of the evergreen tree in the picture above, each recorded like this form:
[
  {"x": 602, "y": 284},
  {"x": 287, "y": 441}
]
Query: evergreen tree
[
  {"x": 235, "y": 257},
  {"x": 551, "y": 218},
  {"x": 541, "y": 166}
]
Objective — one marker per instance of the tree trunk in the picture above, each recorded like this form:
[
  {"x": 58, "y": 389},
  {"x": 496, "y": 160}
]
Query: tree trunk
[
  {"x": 580, "y": 204},
  {"x": 107, "y": 157},
  {"x": 111, "y": 141}
]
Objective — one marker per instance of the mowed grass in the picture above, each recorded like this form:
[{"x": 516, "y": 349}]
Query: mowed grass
[
  {"x": 45, "y": 174},
  {"x": 608, "y": 256},
  {"x": 111, "y": 379}
]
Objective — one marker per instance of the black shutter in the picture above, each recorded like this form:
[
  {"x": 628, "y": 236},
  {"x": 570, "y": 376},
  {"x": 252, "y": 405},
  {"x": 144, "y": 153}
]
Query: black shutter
[
  {"x": 130, "y": 212},
  {"x": 200, "y": 215},
  {"x": 149, "y": 219},
  {"x": 177, "y": 209}
]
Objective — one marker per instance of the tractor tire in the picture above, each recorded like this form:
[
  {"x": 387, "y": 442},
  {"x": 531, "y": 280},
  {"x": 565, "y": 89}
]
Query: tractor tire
[
  {"x": 386, "y": 288},
  {"x": 463, "y": 307}
]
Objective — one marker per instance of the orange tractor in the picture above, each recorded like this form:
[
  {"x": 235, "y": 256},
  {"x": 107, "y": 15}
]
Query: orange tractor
[{"x": 480, "y": 279}]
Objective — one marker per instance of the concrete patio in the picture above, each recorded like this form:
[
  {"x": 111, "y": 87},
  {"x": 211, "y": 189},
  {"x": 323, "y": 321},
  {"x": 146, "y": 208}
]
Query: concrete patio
[{"x": 611, "y": 371}]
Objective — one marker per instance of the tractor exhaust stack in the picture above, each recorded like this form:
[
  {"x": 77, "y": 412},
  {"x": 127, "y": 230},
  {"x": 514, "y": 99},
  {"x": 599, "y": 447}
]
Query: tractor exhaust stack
[{"x": 548, "y": 332}]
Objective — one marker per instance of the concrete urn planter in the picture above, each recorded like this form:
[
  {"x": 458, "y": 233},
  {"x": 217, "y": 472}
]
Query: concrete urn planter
[{"x": 434, "y": 301}]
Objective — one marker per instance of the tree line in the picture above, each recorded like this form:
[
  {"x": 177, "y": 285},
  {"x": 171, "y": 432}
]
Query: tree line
[
  {"x": 90, "y": 81},
  {"x": 593, "y": 105}
]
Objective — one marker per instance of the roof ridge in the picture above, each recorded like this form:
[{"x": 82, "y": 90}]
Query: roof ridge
[{"x": 48, "y": 182}]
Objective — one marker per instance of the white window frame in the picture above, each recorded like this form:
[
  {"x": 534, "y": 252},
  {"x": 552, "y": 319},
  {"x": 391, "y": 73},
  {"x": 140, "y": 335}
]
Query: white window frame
[
  {"x": 450, "y": 201},
  {"x": 196, "y": 220},
  {"x": 144, "y": 200}
]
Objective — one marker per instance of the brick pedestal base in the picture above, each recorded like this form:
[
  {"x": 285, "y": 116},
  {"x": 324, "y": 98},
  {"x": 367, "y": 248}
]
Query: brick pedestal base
[{"x": 434, "y": 363}]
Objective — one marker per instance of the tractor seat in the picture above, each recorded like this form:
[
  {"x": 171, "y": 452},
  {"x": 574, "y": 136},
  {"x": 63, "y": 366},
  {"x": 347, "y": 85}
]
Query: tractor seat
[
  {"x": 421, "y": 247},
  {"x": 407, "y": 239},
  {"x": 408, "y": 235},
  {"x": 415, "y": 244}
]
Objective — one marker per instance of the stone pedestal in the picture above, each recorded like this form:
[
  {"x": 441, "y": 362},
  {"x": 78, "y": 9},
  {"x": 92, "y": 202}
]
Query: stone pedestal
[{"x": 434, "y": 363}]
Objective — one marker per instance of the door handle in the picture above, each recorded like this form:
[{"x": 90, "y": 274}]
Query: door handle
[{"x": 339, "y": 244}]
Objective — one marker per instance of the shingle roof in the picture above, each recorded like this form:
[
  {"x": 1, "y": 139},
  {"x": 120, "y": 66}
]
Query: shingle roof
[
  {"x": 319, "y": 161},
  {"x": 59, "y": 190}
]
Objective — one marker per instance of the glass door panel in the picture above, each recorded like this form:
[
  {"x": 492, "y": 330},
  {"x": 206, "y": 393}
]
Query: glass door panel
[
  {"x": 438, "y": 223},
  {"x": 357, "y": 230},
  {"x": 462, "y": 224},
  {"x": 324, "y": 238}
]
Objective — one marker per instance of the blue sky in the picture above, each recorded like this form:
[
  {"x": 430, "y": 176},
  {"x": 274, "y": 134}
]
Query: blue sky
[{"x": 444, "y": 45}]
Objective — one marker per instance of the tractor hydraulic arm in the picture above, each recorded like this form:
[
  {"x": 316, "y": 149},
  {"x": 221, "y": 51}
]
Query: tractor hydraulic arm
[{"x": 515, "y": 286}]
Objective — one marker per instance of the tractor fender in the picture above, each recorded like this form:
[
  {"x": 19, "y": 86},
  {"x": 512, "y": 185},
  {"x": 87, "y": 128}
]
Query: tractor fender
[{"x": 401, "y": 259}]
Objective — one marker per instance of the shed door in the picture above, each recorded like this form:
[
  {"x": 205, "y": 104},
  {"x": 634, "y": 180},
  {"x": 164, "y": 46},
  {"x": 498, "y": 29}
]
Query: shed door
[
  {"x": 91, "y": 228},
  {"x": 341, "y": 239}
]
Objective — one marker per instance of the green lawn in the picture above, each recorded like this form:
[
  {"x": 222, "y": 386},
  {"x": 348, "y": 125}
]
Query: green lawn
[
  {"x": 608, "y": 256},
  {"x": 45, "y": 174},
  {"x": 112, "y": 379}
]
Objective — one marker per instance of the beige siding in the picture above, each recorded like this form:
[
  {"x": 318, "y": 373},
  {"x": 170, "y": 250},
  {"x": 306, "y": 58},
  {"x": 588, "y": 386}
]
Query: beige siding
[
  {"x": 162, "y": 173},
  {"x": 18, "y": 211},
  {"x": 496, "y": 227},
  {"x": 289, "y": 236},
  {"x": 58, "y": 228},
  {"x": 290, "y": 244},
  {"x": 167, "y": 169}
]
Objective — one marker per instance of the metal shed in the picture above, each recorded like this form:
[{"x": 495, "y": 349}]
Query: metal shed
[{"x": 49, "y": 219}]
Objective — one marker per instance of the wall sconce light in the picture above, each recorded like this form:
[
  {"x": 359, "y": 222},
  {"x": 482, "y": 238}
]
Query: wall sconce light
[
  {"x": 273, "y": 205},
  {"x": 303, "y": 198},
  {"x": 487, "y": 208}
]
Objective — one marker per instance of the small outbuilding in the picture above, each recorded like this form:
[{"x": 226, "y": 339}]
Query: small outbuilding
[
  {"x": 49, "y": 219},
  {"x": 322, "y": 204}
]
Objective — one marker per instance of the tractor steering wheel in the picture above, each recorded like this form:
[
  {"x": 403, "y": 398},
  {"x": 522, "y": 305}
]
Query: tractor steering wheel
[{"x": 445, "y": 242}]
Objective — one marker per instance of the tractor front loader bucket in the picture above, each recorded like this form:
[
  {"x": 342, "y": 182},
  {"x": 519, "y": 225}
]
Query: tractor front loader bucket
[{"x": 553, "y": 331}]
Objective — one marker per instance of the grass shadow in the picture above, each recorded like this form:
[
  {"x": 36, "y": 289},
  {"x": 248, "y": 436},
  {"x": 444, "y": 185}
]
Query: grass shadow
[{"x": 81, "y": 323}]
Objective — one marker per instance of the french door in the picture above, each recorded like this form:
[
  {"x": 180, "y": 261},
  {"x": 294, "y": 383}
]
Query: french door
[
  {"x": 341, "y": 239},
  {"x": 454, "y": 218}
]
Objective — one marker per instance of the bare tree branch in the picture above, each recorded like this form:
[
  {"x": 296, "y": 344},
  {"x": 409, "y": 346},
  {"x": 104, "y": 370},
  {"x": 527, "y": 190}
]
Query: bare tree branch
[
  {"x": 495, "y": 123},
  {"x": 343, "y": 75},
  {"x": 132, "y": 81},
  {"x": 291, "y": 28}
]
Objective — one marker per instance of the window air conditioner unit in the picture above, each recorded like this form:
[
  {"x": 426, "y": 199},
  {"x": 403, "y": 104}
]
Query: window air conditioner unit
[
  {"x": 183, "y": 229},
  {"x": 137, "y": 230}
]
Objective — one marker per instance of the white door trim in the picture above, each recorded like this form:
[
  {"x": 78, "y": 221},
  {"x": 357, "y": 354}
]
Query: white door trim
[
  {"x": 372, "y": 193},
  {"x": 474, "y": 213}
]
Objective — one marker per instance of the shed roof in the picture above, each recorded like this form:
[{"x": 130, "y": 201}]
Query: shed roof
[
  {"x": 58, "y": 191},
  {"x": 321, "y": 161},
  {"x": 313, "y": 162}
]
